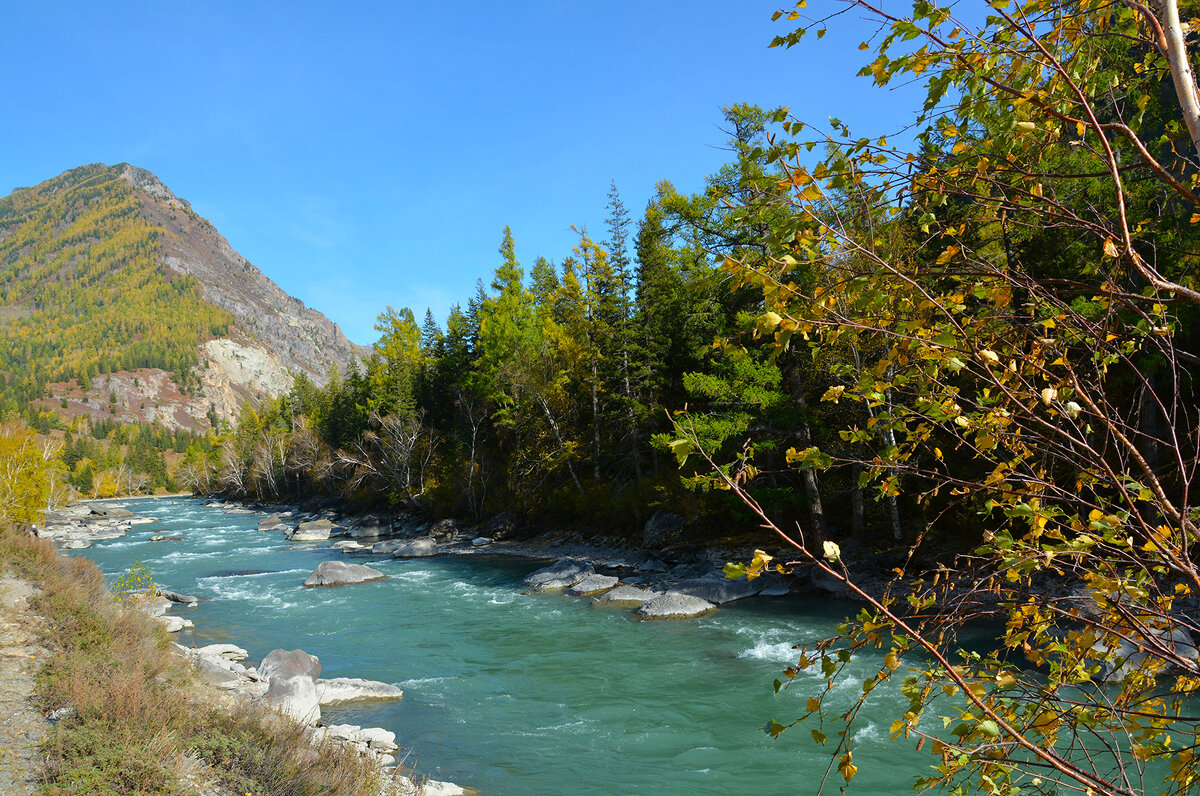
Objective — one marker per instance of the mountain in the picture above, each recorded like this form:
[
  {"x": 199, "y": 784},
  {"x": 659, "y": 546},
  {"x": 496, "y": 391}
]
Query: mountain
[{"x": 118, "y": 300}]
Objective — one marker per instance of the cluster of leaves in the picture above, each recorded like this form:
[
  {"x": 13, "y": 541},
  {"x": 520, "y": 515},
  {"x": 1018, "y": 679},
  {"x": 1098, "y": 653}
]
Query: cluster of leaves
[
  {"x": 1006, "y": 315},
  {"x": 30, "y": 474}
]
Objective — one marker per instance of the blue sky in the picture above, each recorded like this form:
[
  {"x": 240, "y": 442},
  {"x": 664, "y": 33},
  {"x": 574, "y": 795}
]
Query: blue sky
[{"x": 365, "y": 154}]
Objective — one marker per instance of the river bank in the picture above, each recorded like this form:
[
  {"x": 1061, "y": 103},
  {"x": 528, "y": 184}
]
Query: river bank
[
  {"x": 507, "y": 691},
  {"x": 285, "y": 685}
]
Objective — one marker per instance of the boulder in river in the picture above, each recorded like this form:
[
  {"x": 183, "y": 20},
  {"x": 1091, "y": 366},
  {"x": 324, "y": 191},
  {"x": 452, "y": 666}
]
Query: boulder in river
[
  {"x": 339, "y": 573},
  {"x": 415, "y": 548},
  {"x": 346, "y": 689},
  {"x": 560, "y": 575},
  {"x": 674, "y": 605},
  {"x": 593, "y": 584},
  {"x": 176, "y": 597},
  {"x": 273, "y": 522},
  {"x": 719, "y": 590},
  {"x": 624, "y": 595},
  {"x": 291, "y": 677},
  {"x": 312, "y": 531}
]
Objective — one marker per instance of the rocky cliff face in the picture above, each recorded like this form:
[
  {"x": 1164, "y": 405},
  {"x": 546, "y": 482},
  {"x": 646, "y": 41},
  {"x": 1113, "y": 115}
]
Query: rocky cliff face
[{"x": 302, "y": 339}]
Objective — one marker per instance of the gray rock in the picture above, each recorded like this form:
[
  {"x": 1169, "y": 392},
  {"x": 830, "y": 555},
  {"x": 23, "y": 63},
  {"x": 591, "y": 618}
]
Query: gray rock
[
  {"x": 662, "y": 530},
  {"x": 674, "y": 605},
  {"x": 174, "y": 624},
  {"x": 273, "y": 522},
  {"x": 480, "y": 541},
  {"x": 652, "y": 565},
  {"x": 176, "y": 597},
  {"x": 560, "y": 575},
  {"x": 312, "y": 531},
  {"x": 719, "y": 591},
  {"x": 444, "y": 529},
  {"x": 229, "y": 652},
  {"x": 215, "y": 674},
  {"x": 370, "y": 527},
  {"x": 349, "y": 547},
  {"x": 593, "y": 584},
  {"x": 154, "y": 605},
  {"x": 415, "y": 548},
  {"x": 346, "y": 689},
  {"x": 387, "y": 548},
  {"x": 339, "y": 573},
  {"x": 75, "y": 544},
  {"x": 624, "y": 595},
  {"x": 378, "y": 739},
  {"x": 292, "y": 683}
]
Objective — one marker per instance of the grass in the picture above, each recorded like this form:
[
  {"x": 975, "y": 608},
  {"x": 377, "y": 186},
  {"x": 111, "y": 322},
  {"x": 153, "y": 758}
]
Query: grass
[{"x": 144, "y": 723}]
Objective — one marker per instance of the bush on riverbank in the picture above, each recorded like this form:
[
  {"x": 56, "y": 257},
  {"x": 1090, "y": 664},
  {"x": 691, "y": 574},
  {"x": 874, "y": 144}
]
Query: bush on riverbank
[{"x": 142, "y": 723}]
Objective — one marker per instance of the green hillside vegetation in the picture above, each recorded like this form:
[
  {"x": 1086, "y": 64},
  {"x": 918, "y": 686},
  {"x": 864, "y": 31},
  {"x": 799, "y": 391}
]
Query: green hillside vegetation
[{"x": 83, "y": 289}]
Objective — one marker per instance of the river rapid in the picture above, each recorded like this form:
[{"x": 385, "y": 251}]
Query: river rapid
[{"x": 525, "y": 694}]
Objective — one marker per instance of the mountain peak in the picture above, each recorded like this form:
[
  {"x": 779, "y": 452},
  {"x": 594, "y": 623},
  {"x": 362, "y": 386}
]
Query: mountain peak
[{"x": 104, "y": 270}]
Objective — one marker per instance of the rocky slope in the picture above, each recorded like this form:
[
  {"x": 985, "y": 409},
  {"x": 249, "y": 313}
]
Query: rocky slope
[{"x": 117, "y": 300}]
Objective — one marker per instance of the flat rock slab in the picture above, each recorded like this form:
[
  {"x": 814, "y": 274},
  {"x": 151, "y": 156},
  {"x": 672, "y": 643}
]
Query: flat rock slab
[
  {"x": 312, "y": 531},
  {"x": 625, "y": 595},
  {"x": 339, "y": 573},
  {"x": 593, "y": 584},
  {"x": 719, "y": 590},
  {"x": 560, "y": 575},
  {"x": 229, "y": 652},
  {"x": 346, "y": 689},
  {"x": 415, "y": 548},
  {"x": 674, "y": 605}
]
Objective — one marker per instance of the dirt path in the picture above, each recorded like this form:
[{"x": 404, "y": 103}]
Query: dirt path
[{"x": 22, "y": 726}]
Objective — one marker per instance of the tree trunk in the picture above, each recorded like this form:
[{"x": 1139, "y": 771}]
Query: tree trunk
[
  {"x": 856, "y": 504},
  {"x": 595, "y": 422},
  {"x": 812, "y": 487}
]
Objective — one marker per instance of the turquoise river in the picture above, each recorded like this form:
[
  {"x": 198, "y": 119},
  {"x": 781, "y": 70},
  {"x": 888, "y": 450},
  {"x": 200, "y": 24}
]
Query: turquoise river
[{"x": 525, "y": 694}]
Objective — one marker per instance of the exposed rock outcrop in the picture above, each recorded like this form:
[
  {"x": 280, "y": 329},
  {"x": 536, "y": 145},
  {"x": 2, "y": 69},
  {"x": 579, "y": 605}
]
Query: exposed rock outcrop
[{"x": 339, "y": 573}]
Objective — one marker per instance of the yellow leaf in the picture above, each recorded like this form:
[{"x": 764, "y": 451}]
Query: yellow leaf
[
  {"x": 814, "y": 704},
  {"x": 1110, "y": 248},
  {"x": 847, "y": 769},
  {"x": 834, "y": 394}
]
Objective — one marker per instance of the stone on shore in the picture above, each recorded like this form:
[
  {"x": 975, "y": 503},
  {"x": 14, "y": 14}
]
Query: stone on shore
[
  {"x": 213, "y": 672},
  {"x": 674, "y": 605},
  {"x": 593, "y": 584},
  {"x": 339, "y": 573},
  {"x": 291, "y": 677},
  {"x": 480, "y": 541},
  {"x": 229, "y": 652},
  {"x": 174, "y": 624},
  {"x": 273, "y": 522},
  {"x": 371, "y": 527},
  {"x": 415, "y": 548},
  {"x": 348, "y": 546},
  {"x": 311, "y": 531},
  {"x": 624, "y": 595},
  {"x": 346, "y": 689},
  {"x": 719, "y": 590},
  {"x": 560, "y": 575}
]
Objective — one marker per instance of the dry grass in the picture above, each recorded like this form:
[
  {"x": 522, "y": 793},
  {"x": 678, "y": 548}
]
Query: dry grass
[{"x": 142, "y": 719}]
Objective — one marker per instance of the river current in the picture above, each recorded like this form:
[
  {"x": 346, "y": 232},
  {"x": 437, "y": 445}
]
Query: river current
[{"x": 525, "y": 694}]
